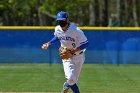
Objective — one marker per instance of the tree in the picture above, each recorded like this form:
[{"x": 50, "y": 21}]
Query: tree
[
  {"x": 81, "y": 12},
  {"x": 94, "y": 18},
  {"x": 135, "y": 13},
  {"x": 105, "y": 13}
]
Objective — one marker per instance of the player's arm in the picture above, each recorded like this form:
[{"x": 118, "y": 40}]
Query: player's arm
[
  {"x": 83, "y": 41},
  {"x": 82, "y": 46},
  {"x": 52, "y": 41}
]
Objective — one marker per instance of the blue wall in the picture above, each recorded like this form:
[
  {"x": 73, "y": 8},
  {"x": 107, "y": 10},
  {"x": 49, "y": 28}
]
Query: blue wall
[{"x": 107, "y": 47}]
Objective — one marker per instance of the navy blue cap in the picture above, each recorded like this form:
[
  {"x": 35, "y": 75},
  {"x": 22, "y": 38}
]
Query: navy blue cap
[{"x": 61, "y": 16}]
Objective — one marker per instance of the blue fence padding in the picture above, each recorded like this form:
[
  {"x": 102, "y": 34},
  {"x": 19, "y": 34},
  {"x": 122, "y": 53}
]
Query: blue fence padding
[
  {"x": 107, "y": 47},
  {"x": 111, "y": 53},
  {"x": 131, "y": 45}
]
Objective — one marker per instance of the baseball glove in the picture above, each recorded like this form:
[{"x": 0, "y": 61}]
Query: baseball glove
[{"x": 66, "y": 53}]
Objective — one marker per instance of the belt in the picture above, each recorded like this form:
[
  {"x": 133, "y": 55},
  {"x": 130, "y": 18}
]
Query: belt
[{"x": 79, "y": 53}]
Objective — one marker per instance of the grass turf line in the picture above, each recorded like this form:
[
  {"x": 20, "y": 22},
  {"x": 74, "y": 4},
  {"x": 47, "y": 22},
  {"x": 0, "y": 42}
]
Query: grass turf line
[{"x": 94, "y": 78}]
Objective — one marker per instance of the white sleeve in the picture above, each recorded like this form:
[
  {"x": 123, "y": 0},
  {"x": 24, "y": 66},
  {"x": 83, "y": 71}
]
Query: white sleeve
[
  {"x": 55, "y": 32},
  {"x": 82, "y": 39}
]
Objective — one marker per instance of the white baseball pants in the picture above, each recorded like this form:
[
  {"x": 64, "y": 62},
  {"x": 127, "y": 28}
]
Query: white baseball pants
[{"x": 72, "y": 68}]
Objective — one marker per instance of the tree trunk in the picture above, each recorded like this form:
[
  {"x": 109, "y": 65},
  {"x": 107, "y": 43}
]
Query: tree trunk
[
  {"x": 118, "y": 12},
  {"x": 138, "y": 11},
  {"x": 135, "y": 13},
  {"x": 122, "y": 13},
  {"x": 126, "y": 13},
  {"x": 91, "y": 13},
  {"x": 94, "y": 18},
  {"x": 105, "y": 13},
  {"x": 42, "y": 18}
]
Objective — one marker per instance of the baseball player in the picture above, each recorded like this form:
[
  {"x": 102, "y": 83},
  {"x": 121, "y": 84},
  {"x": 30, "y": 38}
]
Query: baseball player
[{"x": 73, "y": 45}]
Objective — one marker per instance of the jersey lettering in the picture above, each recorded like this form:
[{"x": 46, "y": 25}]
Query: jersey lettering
[{"x": 67, "y": 38}]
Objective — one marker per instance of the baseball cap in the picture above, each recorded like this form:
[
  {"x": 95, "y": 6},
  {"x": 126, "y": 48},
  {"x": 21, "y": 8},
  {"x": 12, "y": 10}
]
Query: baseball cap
[{"x": 61, "y": 15}]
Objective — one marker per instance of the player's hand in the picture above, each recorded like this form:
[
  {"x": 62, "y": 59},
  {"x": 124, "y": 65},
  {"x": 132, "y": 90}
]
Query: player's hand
[{"x": 46, "y": 45}]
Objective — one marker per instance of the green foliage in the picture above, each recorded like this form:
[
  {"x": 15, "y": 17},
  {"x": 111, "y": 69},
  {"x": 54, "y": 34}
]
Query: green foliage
[
  {"x": 17, "y": 12},
  {"x": 31, "y": 12},
  {"x": 70, "y": 6}
]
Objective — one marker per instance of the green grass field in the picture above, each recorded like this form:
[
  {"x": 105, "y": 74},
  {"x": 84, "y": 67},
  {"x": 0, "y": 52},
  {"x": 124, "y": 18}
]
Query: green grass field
[{"x": 94, "y": 78}]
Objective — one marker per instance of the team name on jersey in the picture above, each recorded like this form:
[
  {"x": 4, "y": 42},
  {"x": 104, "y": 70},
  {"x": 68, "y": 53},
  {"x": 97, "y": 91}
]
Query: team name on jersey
[{"x": 67, "y": 38}]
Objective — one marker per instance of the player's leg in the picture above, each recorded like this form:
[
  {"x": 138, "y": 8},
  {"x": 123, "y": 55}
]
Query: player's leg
[
  {"x": 69, "y": 69},
  {"x": 79, "y": 65},
  {"x": 75, "y": 88},
  {"x": 68, "y": 73},
  {"x": 79, "y": 60},
  {"x": 66, "y": 87}
]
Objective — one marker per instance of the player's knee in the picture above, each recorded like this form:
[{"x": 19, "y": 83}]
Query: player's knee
[{"x": 71, "y": 82}]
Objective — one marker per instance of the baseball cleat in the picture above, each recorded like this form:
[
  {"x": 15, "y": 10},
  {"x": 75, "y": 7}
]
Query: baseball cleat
[{"x": 65, "y": 90}]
